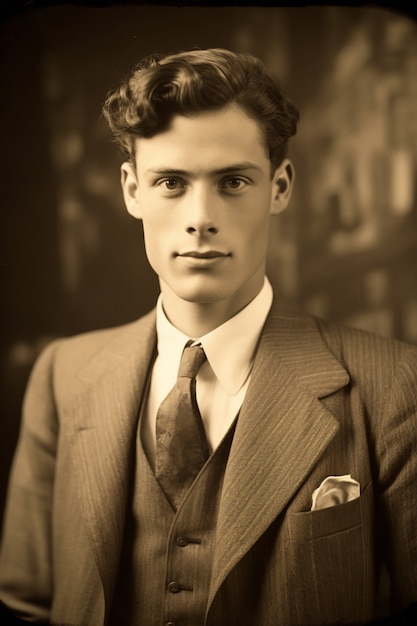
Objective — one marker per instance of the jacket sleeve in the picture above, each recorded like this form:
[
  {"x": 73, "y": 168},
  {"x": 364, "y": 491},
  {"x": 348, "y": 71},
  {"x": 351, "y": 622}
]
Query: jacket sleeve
[
  {"x": 26, "y": 553},
  {"x": 396, "y": 451}
]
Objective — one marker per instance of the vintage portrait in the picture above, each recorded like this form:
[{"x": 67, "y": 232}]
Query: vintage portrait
[{"x": 209, "y": 277}]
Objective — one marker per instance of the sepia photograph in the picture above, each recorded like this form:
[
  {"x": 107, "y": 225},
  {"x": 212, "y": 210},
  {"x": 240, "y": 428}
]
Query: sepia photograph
[{"x": 208, "y": 411}]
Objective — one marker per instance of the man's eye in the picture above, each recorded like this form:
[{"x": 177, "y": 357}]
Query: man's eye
[
  {"x": 171, "y": 184},
  {"x": 234, "y": 183}
]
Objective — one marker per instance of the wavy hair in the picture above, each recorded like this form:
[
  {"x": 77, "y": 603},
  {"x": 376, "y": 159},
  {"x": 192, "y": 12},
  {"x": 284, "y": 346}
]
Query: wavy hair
[{"x": 195, "y": 81}]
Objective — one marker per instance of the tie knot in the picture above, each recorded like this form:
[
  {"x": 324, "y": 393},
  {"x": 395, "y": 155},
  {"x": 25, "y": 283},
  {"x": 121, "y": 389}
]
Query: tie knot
[{"x": 192, "y": 359}]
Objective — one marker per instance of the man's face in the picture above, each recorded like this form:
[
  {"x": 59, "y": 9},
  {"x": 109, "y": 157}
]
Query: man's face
[{"x": 204, "y": 192}]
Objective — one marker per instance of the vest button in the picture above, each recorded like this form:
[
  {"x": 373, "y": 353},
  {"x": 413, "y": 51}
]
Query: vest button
[
  {"x": 182, "y": 542},
  {"x": 174, "y": 587}
]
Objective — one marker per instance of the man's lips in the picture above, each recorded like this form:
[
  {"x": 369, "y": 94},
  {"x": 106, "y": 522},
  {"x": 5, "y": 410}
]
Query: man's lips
[{"x": 207, "y": 254}]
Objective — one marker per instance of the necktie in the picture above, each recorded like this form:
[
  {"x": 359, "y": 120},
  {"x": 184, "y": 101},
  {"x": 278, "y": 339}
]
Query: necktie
[{"x": 181, "y": 444}]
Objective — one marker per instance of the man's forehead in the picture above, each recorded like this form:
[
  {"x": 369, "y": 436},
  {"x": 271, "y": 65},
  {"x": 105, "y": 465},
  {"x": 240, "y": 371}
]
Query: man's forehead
[{"x": 224, "y": 139}]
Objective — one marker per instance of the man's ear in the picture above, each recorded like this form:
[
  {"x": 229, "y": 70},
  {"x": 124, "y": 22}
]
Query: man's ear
[
  {"x": 282, "y": 185},
  {"x": 129, "y": 183}
]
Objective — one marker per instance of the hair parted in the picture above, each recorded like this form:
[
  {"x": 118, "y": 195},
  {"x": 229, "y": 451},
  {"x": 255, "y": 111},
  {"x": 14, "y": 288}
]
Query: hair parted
[{"x": 196, "y": 81}]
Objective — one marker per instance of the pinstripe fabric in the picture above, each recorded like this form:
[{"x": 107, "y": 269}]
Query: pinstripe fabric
[{"x": 323, "y": 400}]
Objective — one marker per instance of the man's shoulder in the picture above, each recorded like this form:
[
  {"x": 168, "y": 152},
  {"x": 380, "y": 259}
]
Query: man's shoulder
[
  {"x": 367, "y": 354},
  {"x": 76, "y": 350},
  {"x": 99, "y": 337},
  {"x": 344, "y": 341},
  {"x": 348, "y": 338}
]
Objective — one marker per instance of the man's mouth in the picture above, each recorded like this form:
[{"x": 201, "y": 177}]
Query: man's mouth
[{"x": 206, "y": 254}]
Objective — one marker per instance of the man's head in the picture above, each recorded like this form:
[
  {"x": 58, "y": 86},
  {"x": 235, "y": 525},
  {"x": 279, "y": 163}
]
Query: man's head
[
  {"x": 205, "y": 134},
  {"x": 194, "y": 82}
]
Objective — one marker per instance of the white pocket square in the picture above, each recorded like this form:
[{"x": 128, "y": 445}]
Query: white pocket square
[{"x": 335, "y": 490}]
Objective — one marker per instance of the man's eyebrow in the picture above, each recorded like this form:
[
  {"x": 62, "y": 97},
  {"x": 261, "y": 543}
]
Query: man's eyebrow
[
  {"x": 238, "y": 167},
  {"x": 164, "y": 171},
  {"x": 233, "y": 167}
]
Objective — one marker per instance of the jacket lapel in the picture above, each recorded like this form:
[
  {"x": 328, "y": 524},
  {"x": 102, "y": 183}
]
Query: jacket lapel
[
  {"x": 282, "y": 431},
  {"x": 105, "y": 414}
]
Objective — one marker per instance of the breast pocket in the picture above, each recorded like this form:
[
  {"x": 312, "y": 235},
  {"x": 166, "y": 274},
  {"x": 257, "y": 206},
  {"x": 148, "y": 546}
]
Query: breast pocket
[{"x": 331, "y": 553}]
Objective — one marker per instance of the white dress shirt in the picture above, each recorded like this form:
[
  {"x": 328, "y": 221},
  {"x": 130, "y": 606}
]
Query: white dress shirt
[{"x": 222, "y": 380}]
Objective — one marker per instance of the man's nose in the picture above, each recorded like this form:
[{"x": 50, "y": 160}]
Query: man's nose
[{"x": 201, "y": 214}]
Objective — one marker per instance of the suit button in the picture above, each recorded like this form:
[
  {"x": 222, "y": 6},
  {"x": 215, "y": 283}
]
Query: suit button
[
  {"x": 174, "y": 587},
  {"x": 182, "y": 542}
]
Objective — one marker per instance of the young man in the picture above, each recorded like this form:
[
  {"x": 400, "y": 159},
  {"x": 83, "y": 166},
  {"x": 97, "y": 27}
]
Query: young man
[{"x": 300, "y": 505}]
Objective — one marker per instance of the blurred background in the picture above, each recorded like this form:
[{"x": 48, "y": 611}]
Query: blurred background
[{"x": 72, "y": 259}]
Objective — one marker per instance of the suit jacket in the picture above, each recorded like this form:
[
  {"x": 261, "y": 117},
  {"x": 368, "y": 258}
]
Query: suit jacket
[{"x": 323, "y": 400}]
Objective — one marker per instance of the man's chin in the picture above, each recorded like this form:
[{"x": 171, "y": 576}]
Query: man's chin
[{"x": 203, "y": 289}]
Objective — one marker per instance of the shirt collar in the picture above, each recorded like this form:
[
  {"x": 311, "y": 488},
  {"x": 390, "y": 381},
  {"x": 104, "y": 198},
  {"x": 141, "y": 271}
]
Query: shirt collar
[{"x": 240, "y": 334}]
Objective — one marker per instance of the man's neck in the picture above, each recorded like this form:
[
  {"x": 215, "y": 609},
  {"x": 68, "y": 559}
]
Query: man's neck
[{"x": 196, "y": 319}]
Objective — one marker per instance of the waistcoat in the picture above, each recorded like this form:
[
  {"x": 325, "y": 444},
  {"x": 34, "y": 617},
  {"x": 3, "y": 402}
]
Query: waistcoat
[{"x": 165, "y": 568}]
